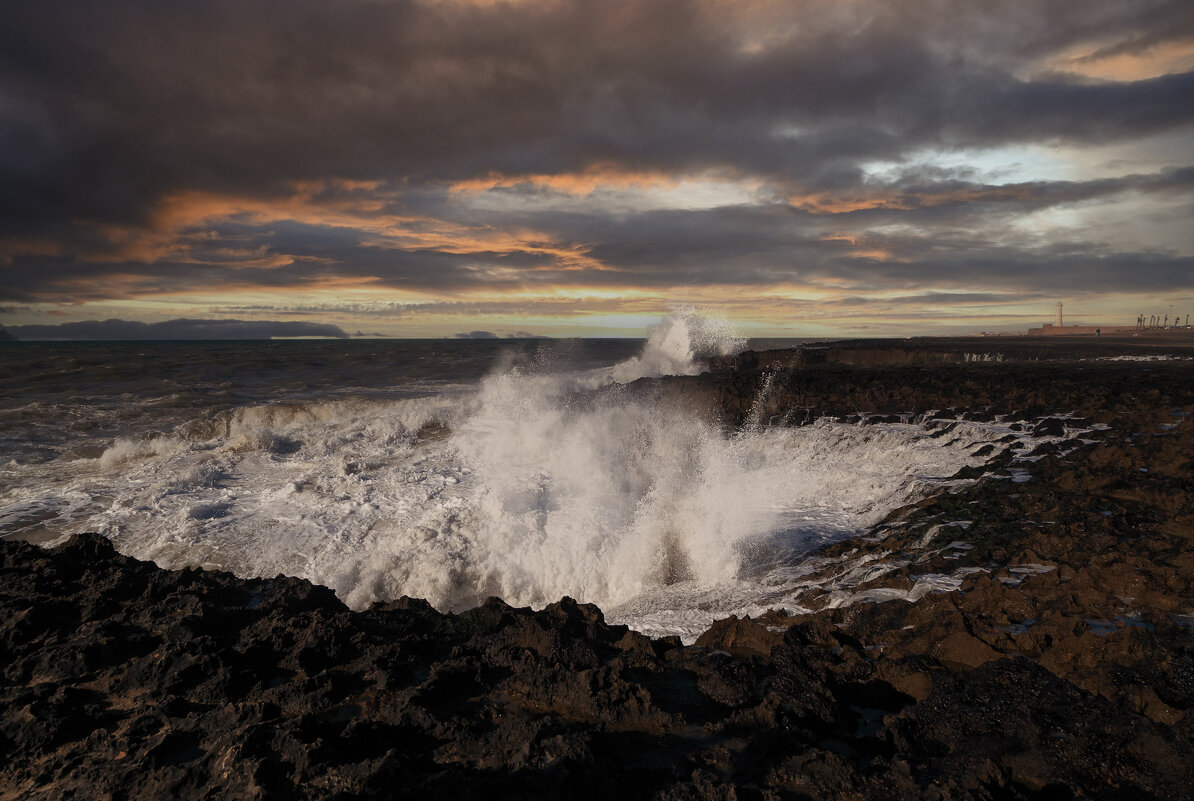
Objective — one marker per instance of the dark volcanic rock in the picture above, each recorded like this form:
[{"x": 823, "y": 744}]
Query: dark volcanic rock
[
  {"x": 978, "y": 377},
  {"x": 121, "y": 680}
]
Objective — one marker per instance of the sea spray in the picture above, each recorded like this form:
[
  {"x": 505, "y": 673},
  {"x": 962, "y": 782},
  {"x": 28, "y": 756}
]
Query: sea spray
[
  {"x": 542, "y": 480},
  {"x": 599, "y": 502},
  {"x": 678, "y": 345}
]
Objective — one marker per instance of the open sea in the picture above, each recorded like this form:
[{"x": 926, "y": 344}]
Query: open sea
[{"x": 450, "y": 470}]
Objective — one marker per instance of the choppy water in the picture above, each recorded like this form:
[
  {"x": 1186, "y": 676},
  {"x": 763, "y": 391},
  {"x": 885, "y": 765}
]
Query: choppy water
[{"x": 448, "y": 470}]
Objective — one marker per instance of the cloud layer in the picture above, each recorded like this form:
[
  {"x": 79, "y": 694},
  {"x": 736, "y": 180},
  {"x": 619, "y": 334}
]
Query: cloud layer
[
  {"x": 447, "y": 151},
  {"x": 176, "y": 329}
]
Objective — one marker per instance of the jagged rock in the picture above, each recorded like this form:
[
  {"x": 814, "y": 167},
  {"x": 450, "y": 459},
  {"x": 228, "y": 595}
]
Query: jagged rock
[
  {"x": 744, "y": 637},
  {"x": 123, "y": 680},
  {"x": 962, "y": 650}
]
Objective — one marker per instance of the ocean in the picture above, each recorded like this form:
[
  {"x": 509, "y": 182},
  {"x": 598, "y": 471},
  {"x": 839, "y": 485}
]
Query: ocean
[{"x": 451, "y": 470}]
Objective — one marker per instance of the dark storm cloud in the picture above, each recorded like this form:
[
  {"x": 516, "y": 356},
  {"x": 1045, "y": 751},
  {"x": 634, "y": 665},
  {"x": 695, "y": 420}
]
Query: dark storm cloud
[
  {"x": 274, "y": 255},
  {"x": 995, "y": 111},
  {"x": 107, "y": 110},
  {"x": 958, "y": 233},
  {"x": 918, "y": 189},
  {"x": 950, "y": 299},
  {"x": 522, "y": 307}
]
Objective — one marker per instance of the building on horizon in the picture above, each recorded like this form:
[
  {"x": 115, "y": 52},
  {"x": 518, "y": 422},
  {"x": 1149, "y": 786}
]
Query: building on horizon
[{"x": 1057, "y": 328}]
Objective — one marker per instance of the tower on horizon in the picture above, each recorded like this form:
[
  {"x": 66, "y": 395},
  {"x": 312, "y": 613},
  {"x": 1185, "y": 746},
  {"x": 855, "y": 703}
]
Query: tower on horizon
[{"x": 1059, "y": 314}]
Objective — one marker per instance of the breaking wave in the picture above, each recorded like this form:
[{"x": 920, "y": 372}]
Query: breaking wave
[{"x": 536, "y": 483}]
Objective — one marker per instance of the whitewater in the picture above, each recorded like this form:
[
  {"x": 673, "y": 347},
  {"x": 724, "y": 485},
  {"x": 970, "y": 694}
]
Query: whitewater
[{"x": 533, "y": 479}]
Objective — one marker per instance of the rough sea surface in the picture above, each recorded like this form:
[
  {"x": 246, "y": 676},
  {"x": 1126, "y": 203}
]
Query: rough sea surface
[{"x": 451, "y": 470}]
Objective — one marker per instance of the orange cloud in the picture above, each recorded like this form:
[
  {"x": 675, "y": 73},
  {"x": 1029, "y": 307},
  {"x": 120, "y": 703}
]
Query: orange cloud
[
  {"x": 578, "y": 184},
  {"x": 28, "y": 247},
  {"x": 907, "y": 200},
  {"x": 1125, "y": 62},
  {"x": 859, "y": 248},
  {"x": 178, "y": 220}
]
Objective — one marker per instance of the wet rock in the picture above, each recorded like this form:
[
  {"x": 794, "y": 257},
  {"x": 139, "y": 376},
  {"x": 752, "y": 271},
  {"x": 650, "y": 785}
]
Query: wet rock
[
  {"x": 961, "y": 650},
  {"x": 743, "y": 637},
  {"x": 271, "y": 688}
]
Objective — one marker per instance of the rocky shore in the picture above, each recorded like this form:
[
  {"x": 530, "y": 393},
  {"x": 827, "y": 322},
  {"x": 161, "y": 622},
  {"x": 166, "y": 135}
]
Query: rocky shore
[{"x": 1051, "y": 655}]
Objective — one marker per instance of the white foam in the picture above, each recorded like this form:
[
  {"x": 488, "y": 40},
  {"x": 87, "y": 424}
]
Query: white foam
[
  {"x": 677, "y": 346},
  {"x": 522, "y": 488},
  {"x": 125, "y": 450}
]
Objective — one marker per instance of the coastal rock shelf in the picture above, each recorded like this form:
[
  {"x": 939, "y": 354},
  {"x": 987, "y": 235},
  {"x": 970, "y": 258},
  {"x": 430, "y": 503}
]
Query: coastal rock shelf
[
  {"x": 1051, "y": 654},
  {"x": 122, "y": 680}
]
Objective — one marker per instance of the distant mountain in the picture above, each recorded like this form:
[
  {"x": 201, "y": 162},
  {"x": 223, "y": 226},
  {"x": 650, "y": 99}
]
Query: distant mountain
[{"x": 5, "y": 336}]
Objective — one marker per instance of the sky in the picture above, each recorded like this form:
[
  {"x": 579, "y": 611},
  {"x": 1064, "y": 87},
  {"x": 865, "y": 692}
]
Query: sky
[{"x": 427, "y": 168}]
